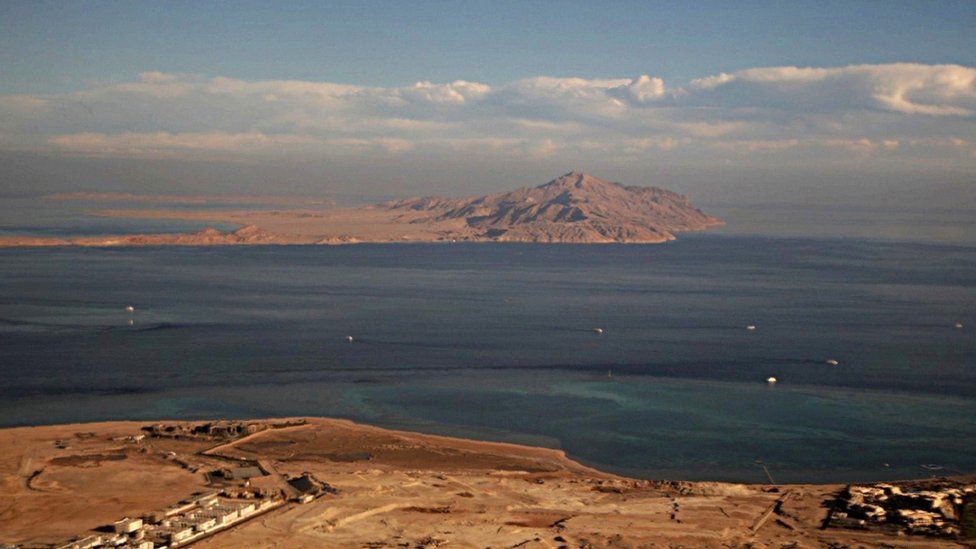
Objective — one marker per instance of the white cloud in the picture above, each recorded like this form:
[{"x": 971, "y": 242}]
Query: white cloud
[
  {"x": 888, "y": 110},
  {"x": 643, "y": 89},
  {"x": 456, "y": 93},
  {"x": 937, "y": 90}
]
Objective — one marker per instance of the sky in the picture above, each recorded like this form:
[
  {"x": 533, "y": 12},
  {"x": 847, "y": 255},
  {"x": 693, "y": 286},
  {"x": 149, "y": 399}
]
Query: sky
[{"x": 828, "y": 102}]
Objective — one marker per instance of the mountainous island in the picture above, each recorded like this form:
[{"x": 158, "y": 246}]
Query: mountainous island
[{"x": 573, "y": 208}]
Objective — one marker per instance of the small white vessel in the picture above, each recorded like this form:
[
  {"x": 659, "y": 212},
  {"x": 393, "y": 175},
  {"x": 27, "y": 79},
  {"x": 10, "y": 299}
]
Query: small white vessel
[
  {"x": 832, "y": 362},
  {"x": 751, "y": 327},
  {"x": 958, "y": 325},
  {"x": 349, "y": 339},
  {"x": 771, "y": 380},
  {"x": 598, "y": 330},
  {"x": 130, "y": 308}
]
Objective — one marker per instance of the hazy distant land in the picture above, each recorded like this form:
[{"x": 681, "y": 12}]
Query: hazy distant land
[
  {"x": 575, "y": 208},
  {"x": 188, "y": 198}
]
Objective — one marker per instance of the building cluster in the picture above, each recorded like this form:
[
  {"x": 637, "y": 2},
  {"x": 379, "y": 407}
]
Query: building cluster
[
  {"x": 224, "y": 429},
  {"x": 251, "y": 492},
  {"x": 236, "y": 501},
  {"x": 936, "y": 511},
  {"x": 218, "y": 429},
  {"x": 200, "y": 516},
  {"x": 178, "y": 525}
]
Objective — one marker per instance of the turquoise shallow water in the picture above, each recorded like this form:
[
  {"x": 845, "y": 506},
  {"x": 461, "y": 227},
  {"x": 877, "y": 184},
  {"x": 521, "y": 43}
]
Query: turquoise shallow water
[{"x": 496, "y": 341}]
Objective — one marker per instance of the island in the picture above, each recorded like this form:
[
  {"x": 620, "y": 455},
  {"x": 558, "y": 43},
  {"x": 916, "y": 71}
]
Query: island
[
  {"x": 573, "y": 208},
  {"x": 318, "y": 482}
]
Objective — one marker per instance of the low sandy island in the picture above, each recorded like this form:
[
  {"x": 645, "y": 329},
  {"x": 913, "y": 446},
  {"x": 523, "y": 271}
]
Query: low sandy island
[
  {"x": 195, "y": 199},
  {"x": 573, "y": 208},
  {"x": 311, "y": 482}
]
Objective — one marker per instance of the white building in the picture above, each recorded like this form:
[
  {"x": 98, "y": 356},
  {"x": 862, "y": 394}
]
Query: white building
[
  {"x": 127, "y": 525},
  {"x": 205, "y": 524}
]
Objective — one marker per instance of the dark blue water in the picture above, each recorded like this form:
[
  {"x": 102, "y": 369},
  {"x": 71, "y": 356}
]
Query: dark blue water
[{"x": 497, "y": 342}]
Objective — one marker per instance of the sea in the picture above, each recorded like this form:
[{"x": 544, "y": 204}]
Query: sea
[{"x": 500, "y": 341}]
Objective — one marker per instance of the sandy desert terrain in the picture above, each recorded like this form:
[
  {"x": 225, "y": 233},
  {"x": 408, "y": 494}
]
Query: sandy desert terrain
[{"x": 391, "y": 489}]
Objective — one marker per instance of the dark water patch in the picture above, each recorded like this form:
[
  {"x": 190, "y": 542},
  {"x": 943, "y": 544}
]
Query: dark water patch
[
  {"x": 33, "y": 325},
  {"x": 116, "y": 326},
  {"x": 413, "y": 344},
  {"x": 56, "y": 390},
  {"x": 166, "y": 326}
]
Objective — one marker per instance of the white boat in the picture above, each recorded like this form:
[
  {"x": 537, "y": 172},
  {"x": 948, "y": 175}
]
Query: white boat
[
  {"x": 958, "y": 325},
  {"x": 130, "y": 308},
  {"x": 751, "y": 327},
  {"x": 349, "y": 339},
  {"x": 832, "y": 362},
  {"x": 598, "y": 330},
  {"x": 771, "y": 380}
]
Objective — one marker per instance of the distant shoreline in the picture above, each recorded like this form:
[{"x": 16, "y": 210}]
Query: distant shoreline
[
  {"x": 249, "y": 234},
  {"x": 213, "y": 237}
]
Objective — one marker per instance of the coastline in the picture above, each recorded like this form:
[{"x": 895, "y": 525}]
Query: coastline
[
  {"x": 391, "y": 486},
  {"x": 212, "y": 237},
  {"x": 249, "y": 233}
]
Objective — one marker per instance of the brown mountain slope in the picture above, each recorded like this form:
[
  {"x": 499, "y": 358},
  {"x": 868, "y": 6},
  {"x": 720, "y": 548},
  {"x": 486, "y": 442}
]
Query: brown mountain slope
[{"x": 575, "y": 207}]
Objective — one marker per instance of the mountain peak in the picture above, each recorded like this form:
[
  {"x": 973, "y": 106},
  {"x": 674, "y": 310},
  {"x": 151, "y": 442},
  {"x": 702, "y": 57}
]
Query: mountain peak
[
  {"x": 574, "y": 207},
  {"x": 575, "y": 179}
]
